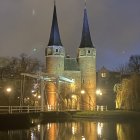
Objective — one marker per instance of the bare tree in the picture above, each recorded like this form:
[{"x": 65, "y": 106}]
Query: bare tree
[
  {"x": 4, "y": 62},
  {"x": 134, "y": 63},
  {"x": 123, "y": 69}
]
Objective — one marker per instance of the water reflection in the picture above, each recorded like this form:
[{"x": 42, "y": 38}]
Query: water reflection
[
  {"x": 80, "y": 130},
  {"x": 99, "y": 129},
  {"x": 128, "y": 132}
]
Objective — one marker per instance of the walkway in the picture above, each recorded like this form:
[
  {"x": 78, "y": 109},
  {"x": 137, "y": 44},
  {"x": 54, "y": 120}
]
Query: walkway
[{"x": 33, "y": 109}]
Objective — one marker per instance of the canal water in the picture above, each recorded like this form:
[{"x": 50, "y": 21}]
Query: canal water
[{"x": 76, "y": 130}]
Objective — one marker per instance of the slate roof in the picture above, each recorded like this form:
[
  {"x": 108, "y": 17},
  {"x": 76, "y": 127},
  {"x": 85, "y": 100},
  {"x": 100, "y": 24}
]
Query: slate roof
[
  {"x": 54, "y": 35},
  {"x": 86, "y": 38}
]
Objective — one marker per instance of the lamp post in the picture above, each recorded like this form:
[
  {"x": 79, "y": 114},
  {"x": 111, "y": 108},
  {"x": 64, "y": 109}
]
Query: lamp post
[
  {"x": 99, "y": 99},
  {"x": 86, "y": 100},
  {"x": 99, "y": 92},
  {"x": 8, "y": 90},
  {"x": 34, "y": 96},
  {"x": 81, "y": 99},
  {"x": 39, "y": 97},
  {"x": 82, "y": 91}
]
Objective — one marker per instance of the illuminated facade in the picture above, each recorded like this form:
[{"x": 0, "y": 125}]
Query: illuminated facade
[
  {"x": 106, "y": 80},
  {"x": 82, "y": 69}
]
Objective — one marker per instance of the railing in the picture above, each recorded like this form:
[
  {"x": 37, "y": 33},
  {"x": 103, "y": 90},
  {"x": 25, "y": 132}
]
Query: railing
[
  {"x": 30, "y": 109},
  {"x": 101, "y": 108},
  {"x": 19, "y": 109}
]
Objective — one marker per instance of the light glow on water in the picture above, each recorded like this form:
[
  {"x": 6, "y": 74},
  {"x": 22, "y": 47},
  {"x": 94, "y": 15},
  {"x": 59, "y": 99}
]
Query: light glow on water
[
  {"x": 99, "y": 129},
  {"x": 83, "y": 138},
  {"x": 77, "y": 130},
  {"x": 74, "y": 128}
]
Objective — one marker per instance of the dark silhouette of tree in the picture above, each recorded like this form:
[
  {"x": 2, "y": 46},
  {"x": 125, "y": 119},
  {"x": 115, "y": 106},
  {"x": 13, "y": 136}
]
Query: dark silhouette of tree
[
  {"x": 10, "y": 75},
  {"x": 132, "y": 66},
  {"x": 123, "y": 69},
  {"x": 134, "y": 63},
  {"x": 4, "y": 62},
  {"x": 16, "y": 66}
]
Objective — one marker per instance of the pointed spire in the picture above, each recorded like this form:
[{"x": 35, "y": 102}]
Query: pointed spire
[
  {"x": 54, "y": 35},
  {"x": 86, "y": 38},
  {"x": 85, "y": 3}
]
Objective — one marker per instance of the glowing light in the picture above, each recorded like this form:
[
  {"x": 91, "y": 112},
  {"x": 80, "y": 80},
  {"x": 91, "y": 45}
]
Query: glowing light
[
  {"x": 32, "y": 136},
  {"x": 82, "y": 92},
  {"x": 33, "y": 91},
  {"x": 39, "y": 96},
  {"x": 34, "y": 95},
  {"x": 98, "y": 92},
  {"x": 83, "y": 138},
  {"x": 99, "y": 128},
  {"x": 74, "y": 128},
  {"x": 72, "y": 85},
  {"x": 9, "y": 89},
  {"x": 74, "y": 97},
  {"x": 38, "y": 127},
  {"x": 48, "y": 126}
]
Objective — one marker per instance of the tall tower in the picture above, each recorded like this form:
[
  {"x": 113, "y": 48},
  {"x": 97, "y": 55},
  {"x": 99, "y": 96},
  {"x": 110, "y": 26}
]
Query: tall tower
[
  {"x": 54, "y": 54},
  {"x": 87, "y": 64}
]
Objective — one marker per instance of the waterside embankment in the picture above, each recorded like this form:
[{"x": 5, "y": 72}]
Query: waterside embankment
[{"x": 23, "y": 120}]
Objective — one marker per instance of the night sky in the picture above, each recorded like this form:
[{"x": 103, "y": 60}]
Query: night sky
[{"x": 114, "y": 26}]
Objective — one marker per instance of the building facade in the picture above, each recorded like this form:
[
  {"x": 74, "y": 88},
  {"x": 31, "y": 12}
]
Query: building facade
[
  {"x": 106, "y": 80},
  {"x": 82, "y": 69}
]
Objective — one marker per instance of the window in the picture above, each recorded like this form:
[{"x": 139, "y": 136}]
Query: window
[
  {"x": 56, "y": 50},
  {"x": 49, "y": 51},
  {"x": 88, "y": 51},
  {"x": 103, "y": 74}
]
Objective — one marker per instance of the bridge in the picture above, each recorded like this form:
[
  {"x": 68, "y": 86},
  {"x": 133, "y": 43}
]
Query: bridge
[
  {"x": 26, "y": 116},
  {"x": 44, "y": 77},
  {"x": 35, "y": 109}
]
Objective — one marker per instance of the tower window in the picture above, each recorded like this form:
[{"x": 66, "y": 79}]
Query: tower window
[
  {"x": 49, "y": 51},
  {"x": 88, "y": 51}
]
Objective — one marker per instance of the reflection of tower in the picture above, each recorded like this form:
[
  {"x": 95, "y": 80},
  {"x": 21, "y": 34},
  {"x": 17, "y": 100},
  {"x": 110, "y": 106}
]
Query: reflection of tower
[
  {"x": 87, "y": 63},
  {"x": 54, "y": 60}
]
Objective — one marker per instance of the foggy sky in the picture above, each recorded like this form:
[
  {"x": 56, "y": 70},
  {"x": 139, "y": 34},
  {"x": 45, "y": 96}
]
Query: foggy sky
[{"x": 114, "y": 27}]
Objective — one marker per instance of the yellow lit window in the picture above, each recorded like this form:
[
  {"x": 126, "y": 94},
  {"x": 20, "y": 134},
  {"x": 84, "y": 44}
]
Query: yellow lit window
[{"x": 103, "y": 74}]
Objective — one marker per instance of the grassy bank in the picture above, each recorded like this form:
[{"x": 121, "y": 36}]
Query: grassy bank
[{"x": 117, "y": 115}]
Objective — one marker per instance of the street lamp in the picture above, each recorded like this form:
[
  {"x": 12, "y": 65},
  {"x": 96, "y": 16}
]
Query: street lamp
[
  {"x": 99, "y": 92},
  {"x": 87, "y": 100},
  {"x": 8, "y": 90},
  {"x": 81, "y": 99},
  {"x": 82, "y": 91},
  {"x": 39, "y": 96}
]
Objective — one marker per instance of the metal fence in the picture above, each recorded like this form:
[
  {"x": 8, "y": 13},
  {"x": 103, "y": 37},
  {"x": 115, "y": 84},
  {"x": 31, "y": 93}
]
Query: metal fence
[
  {"x": 31, "y": 109},
  {"x": 101, "y": 108},
  {"x": 19, "y": 109}
]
